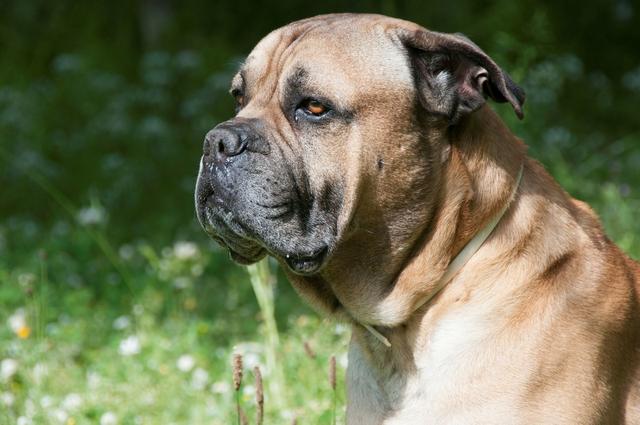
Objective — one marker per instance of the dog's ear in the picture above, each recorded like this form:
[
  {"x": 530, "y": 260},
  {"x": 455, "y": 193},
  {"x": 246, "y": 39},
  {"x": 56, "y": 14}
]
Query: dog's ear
[{"x": 454, "y": 76}]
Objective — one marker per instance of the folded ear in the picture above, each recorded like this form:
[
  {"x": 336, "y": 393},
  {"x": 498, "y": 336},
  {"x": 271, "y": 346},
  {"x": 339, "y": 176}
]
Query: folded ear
[{"x": 454, "y": 76}]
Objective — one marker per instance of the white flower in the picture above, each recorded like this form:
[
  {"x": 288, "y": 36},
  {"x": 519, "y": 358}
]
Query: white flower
[
  {"x": 341, "y": 329},
  {"x": 60, "y": 415},
  {"x": 199, "y": 379},
  {"x": 25, "y": 280},
  {"x": 126, "y": 252},
  {"x": 72, "y": 402},
  {"x": 148, "y": 399},
  {"x": 220, "y": 387},
  {"x": 108, "y": 418},
  {"x": 129, "y": 346},
  {"x": 248, "y": 390},
  {"x": 185, "y": 250},
  {"x": 29, "y": 408},
  {"x": 121, "y": 323},
  {"x": 91, "y": 215},
  {"x": 93, "y": 379},
  {"x": 17, "y": 320},
  {"x": 287, "y": 415},
  {"x": 181, "y": 283},
  {"x": 343, "y": 360},
  {"x": 46, "y": 402},
  {"x": 39, "y": 371},
  {"x": 251, "y": 360},
  {"x": 185, "y": 363},
  {"x": 8, "y": 368},
  {"x": 7, "y": 399},
  {"x": 250, "y": 353}
]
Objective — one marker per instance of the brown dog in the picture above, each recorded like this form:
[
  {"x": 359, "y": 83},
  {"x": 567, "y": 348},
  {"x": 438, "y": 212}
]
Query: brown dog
[{"x": 363, "y": 158}]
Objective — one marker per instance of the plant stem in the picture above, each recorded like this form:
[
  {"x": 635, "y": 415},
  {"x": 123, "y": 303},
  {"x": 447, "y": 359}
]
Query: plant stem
[{"x": 263, "y": 282}]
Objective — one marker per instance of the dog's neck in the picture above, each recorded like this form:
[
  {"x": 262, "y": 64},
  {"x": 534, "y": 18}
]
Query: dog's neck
[
  {"x": 482, "y": 170},
  {"x": 461, "y": 258},
  {"x": 484, "y": 166}
]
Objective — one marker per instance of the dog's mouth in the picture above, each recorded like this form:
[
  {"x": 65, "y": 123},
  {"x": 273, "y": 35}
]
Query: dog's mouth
[
  {"x": 246, "y": 247},
  {"x": 307, "y": 264},
  {"x": 224, "y": 229}
]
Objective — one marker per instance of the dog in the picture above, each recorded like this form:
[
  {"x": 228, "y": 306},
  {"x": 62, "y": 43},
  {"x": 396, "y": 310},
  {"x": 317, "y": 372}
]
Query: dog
[{"x": 364, "y": 158}]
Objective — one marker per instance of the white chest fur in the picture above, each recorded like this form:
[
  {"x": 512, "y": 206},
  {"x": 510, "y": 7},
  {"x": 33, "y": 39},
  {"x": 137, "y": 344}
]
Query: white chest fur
[{"x": 459, "y": 376}]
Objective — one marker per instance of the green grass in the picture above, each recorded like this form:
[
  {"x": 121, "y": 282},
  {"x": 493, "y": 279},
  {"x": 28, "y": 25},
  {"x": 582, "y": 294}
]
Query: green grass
[{"x": 157, "y": 359}]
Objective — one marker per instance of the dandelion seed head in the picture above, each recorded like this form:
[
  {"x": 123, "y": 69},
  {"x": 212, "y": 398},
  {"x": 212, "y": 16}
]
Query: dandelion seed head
[
  {"x": 17, "y": 320},
  {"x": 220, "y": 387},
  {"x": 7, "y": 399},
  {"x": 108, "y": 418},
  {"x": 59, "y": 415},
  {"x": 129, "y": 346},
  {"x": 185, "y": 363},
  {"x": 92, "y": 215},
  {"x": 72, "y": 402},
  {"x": 122, "y": 322},
  {"x": 8, "y": 368},
  {"x": 248, "y": 391},
  {"x": 199, "y": 379},
  {"x": 46, "y": 401},
  {"x": 185, "y": 250}
]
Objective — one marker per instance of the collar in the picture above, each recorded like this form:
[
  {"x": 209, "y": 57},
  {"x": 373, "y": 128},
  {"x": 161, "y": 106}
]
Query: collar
[{"x": 461, "y": 259}]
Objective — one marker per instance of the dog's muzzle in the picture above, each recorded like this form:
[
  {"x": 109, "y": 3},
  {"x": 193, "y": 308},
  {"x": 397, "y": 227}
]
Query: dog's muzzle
[
  {"x": 223, "y": 149},
  {"x": 253, "y": 199}
]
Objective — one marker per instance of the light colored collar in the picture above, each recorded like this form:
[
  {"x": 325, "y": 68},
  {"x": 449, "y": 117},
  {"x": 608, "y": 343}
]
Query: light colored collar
[{"x": 461, "y": 259}]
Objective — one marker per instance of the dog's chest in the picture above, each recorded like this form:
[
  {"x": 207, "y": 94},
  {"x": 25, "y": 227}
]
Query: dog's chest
[{"x": 454, "y": 379}]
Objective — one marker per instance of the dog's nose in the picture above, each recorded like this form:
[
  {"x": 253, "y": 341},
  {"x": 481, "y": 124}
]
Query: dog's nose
[{"x": 222, "y": 143}]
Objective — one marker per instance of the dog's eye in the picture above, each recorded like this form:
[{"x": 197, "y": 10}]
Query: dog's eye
[
  {"x": 314, "y": 107},
  {"x": 239, "y": 97}
]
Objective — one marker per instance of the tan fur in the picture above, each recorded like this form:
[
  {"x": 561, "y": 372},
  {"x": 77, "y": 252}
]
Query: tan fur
[{"x": 540, "y": 326}]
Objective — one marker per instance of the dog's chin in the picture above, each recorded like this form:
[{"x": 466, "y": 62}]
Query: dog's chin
[
  {"x": 304, "y": 263},
  {"x": 304, "y": 255},
  {"x": 300, "y": 263},
  {"x": 247, "y": 259},
  {"x": 307, "y": 261}
]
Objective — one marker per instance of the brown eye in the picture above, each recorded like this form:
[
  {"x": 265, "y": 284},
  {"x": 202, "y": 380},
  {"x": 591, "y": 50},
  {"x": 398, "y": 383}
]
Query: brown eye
[{"x": 313, "y": 107}]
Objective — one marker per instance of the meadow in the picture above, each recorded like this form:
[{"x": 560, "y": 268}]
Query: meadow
[{"x": 114, "y": 306}]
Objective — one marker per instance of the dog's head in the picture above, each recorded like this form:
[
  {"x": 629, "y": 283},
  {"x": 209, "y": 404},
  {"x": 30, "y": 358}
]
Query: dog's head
[{"x": 333, "y": 160}]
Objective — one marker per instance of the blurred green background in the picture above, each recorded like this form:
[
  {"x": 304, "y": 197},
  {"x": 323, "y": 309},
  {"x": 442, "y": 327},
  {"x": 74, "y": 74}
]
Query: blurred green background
[{"x": 114, "y": 306}]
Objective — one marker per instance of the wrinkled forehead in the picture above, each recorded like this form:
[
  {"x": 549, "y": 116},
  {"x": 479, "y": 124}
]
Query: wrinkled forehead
[{"x": 332, "y": 56}]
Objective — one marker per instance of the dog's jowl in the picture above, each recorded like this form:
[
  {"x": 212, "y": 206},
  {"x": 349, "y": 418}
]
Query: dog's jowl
[{"x": 365, "y": 158}]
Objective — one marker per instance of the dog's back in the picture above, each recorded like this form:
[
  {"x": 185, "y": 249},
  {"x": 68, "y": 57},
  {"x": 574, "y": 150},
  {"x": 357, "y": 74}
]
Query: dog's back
[{"x": 632, "y": 408}]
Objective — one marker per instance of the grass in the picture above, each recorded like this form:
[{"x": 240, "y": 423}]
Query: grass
[
  {"x": 156, "y": 360},
  {"x": 69, "y": 357}
]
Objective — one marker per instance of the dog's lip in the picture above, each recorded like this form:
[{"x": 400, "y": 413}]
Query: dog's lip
[
  {"x": 241, "y": 249},
  {"x": 245, "y": 250},
  {"x": 247, "y": 259},
  {"x": 308, "y": 263}
]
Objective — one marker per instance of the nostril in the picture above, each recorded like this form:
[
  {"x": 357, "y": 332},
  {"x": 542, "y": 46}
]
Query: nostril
[{"x": 223, "y": 143}]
